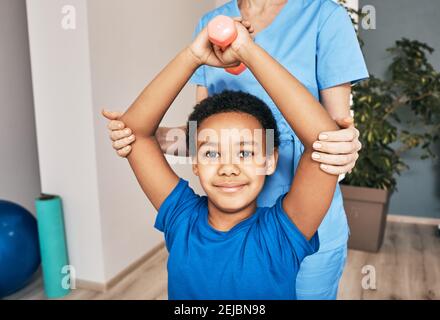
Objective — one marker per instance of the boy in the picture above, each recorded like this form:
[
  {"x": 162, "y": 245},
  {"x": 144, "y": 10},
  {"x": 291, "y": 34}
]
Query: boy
[{"x": 222, "y": 246}]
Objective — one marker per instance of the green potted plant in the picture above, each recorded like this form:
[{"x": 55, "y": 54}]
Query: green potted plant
[{"x": 411, "y": 88}]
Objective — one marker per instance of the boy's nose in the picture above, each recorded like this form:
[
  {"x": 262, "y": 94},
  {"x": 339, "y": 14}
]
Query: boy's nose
[{"x": 228, "y": 169}]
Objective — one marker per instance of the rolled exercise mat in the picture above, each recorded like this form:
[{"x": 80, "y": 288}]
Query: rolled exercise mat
[{"x": 52, "y": 245}]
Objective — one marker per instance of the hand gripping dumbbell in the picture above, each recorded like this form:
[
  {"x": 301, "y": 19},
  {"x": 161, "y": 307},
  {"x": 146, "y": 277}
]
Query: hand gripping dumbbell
[{"x": 222, "y": 32}]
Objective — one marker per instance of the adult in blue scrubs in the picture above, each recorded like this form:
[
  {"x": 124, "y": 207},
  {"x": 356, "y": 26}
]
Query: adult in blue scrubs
[{"x": 315, "y": 40}]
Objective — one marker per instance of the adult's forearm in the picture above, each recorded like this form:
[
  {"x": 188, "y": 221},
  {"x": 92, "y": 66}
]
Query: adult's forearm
[
  {"x": 302, "y": 111},
  {"x": 336, "y": 100},
  {"x": 147, "y": 111}
]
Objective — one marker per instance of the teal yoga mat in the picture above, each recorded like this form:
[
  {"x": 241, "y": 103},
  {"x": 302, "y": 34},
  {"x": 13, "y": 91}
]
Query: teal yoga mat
[{"x": 53, "y": 248}]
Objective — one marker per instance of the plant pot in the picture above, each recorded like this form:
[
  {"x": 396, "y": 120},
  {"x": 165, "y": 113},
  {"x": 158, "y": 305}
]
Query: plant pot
[{"x": 366, "y": 210}]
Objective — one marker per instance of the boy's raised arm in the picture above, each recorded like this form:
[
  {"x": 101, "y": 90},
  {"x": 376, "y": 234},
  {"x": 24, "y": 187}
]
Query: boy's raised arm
[
  {"x": 312, "y": 189},
  {"x": 152, "y": 171}
]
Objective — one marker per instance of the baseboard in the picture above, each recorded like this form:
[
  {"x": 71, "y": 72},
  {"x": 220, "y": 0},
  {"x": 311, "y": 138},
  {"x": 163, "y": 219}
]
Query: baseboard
[
  {"x": 103, "y": 287},
  {"x": 90, "y": 285},
  {"x": 412, "y": 219}
]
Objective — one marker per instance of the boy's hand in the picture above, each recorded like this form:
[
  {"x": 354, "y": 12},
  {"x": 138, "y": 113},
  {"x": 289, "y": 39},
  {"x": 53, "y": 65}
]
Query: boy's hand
[
  {"x": 122, "y": 137},
  {"x": 233, "y": 52},
  {"x": 203, "y": 49}
]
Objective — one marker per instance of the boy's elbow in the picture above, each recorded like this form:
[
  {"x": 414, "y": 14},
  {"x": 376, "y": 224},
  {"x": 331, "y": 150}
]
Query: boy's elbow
[
  {"x": 142, "y": 132},
  {"x": 137, "y": 129}
]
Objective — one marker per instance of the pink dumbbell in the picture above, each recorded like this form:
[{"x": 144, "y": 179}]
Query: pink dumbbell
[{"x": 222, "y": 32}]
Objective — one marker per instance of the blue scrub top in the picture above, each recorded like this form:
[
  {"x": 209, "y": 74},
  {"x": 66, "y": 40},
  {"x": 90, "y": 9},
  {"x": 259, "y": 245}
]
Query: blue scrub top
[{"x": 316, "y": 42}]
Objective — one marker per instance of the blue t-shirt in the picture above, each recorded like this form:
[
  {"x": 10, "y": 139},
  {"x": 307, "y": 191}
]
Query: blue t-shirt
[
  {"x": 316, "y": 42},
  {"x": 258, "y": 258}
]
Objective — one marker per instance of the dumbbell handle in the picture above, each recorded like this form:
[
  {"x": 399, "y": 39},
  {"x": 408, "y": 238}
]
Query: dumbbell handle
[{"x": 222, "y": 32}]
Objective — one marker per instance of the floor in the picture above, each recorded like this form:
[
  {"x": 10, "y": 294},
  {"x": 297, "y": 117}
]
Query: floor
[{"x": 407, "y": 267}]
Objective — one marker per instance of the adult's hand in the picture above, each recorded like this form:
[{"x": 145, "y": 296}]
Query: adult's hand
[
  {"x": 121, "y": 137},
  {"x": 338, "y": 151}
]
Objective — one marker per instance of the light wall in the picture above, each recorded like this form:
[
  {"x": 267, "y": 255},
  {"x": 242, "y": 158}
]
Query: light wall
[
  {"x": 19, "y": 174},
  {"x": 115, "y": 49},
  {"x": 65, "y": 132},
  {"x": 130, "y": 42}
]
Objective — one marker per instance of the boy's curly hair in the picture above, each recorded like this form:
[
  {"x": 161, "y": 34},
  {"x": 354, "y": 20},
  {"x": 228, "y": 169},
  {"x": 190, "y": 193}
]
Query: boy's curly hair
[{"x": 233, "y": 101}]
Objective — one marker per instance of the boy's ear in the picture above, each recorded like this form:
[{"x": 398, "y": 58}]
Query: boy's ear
[
  {"x": 271, "y": 162},
  {"x": 195, "y": 168}
]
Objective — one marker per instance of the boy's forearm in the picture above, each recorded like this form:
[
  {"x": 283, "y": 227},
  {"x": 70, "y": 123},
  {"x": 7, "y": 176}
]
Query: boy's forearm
[
  {"x": 301, "y": 110},
  {"x": 146, "y": 112}
]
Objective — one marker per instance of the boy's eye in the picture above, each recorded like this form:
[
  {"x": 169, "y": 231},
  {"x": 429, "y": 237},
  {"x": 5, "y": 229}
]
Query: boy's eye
[
  {"x": 246, "y": 154},
  {"x": 212, "y": 154}
]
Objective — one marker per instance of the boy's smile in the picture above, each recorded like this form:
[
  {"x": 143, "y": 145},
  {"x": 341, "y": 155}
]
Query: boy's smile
[{"x": 230, "y": 187}]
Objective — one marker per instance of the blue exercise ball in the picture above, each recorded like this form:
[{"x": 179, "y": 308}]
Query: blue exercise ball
[{"x": 19, "y": 247}]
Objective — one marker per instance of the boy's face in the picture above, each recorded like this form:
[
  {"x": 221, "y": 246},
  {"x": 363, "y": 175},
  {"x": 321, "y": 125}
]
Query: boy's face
[{"x": 232, "y": 162}]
